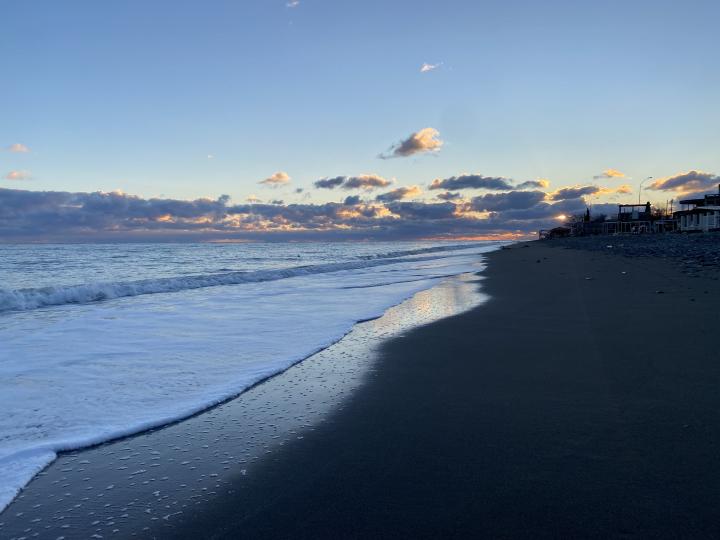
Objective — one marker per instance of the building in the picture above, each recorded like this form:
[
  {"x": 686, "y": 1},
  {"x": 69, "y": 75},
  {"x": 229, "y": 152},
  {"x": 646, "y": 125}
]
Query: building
[
  {"x": 631, "y": 218},
  {"x": 700, "y": 215}
]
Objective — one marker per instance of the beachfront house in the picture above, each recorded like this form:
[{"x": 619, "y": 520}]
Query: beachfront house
[
  {"x": 700, "y": 215},
  {"x": 638, "y": 219},
  {"x": 631, "y": 218}
]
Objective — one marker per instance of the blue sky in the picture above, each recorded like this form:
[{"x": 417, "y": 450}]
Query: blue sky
[{"x": 135, "y": 96}]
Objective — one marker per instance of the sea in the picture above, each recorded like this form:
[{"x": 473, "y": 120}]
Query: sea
[{"x": 101, "y": 341}]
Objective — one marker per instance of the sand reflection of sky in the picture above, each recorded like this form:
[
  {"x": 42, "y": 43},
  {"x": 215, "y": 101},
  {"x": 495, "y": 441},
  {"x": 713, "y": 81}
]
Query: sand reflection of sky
[{"x": 154, "y": 479}]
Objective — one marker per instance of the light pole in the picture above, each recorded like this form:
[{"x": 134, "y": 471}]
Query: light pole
[{"x": 641, "y": 185}]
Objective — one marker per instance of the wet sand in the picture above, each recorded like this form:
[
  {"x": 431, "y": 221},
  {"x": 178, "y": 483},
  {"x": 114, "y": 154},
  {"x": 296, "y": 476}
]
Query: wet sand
[
  {"x": 582, "y": 400},
  {"x": 150, "y": 484}
]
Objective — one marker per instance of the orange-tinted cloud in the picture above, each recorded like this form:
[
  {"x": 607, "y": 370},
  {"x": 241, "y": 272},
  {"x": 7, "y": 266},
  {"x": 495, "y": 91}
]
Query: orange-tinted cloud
[
  {"x": 625, "y": 189},
  {"x": 610, "y": 173},
  {"x": 18, "y": 148},
  {"x": 18, "y": 175},
  {"x": 687, "y": 182},
  {"x": 540, "y": 183},
  {"x": 26, "y": 214},
  {"x": 425, "y": 141},
  {"x": 280, "y": 178},
  {"x": 399, "y": 194}
]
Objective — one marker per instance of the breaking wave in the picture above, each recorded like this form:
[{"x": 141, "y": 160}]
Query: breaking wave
[{"x": 35, "y": 298}]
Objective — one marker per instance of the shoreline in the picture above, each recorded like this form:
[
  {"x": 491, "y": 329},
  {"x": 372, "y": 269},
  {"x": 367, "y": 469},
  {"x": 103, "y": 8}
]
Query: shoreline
[
  {"x": 160, "y": 358},
  {"x": 537, "y": 414},
  {"x": 117, "y": 474},
  {"x": 517, "y": 419},
  {"x": 579, "y": 400}
]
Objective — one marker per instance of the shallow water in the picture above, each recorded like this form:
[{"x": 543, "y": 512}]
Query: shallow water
[
  {"x": 78, "y": 373},
  {"x": 150, "y": 483}
]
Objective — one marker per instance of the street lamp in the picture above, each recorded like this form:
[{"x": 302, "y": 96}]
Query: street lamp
[{"x": 641, "y": 185}]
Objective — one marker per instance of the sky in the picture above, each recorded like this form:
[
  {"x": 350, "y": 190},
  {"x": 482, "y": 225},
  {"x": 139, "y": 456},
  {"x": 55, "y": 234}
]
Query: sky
[{"x": 262, "y": 103}]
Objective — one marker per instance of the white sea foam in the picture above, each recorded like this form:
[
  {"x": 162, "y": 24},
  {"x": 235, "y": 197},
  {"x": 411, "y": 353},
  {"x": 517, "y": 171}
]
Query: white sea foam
[
  {"x": 76, "y": 375},
  {"x": 33, "y": 298}
]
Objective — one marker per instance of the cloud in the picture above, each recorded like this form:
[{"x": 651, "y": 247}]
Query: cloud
[
  {"x": 352, "y": 200},
  {"x": 609, "y": 173},
  {"x": 293, "y": 3},
  {"x": 419, "y": 210},
  {"x": 280, "y": 178},
  {"x": 252, "y": 199},
  {"x": 18, "y": 148},
  {"x": 448, "y": 196},
  {"x": 513, "y": 200},
  {"x": 574, "y": 192},
  {"x": 364, "y": 181},
  {"x": 50, "y": 210},
  {"x": 688, "y": 182},
  {"x": 625, "y": 189},
  {"x": 425, "y": 68},
  {"x": 541, "y": 213},
  {"x": 421, "y": 142},
  {"x": 18, "y": 175},
  {"x": 399, "y": 194},
  {"x": 471, "y": 181},
  {"x": 540, "y": 183},
  {"x": 330, "y": 183},
  {"x": 53, "y": 216}
]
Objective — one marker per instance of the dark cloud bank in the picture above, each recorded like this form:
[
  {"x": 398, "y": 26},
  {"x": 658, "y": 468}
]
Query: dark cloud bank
[{"x": 63, "y": 216}]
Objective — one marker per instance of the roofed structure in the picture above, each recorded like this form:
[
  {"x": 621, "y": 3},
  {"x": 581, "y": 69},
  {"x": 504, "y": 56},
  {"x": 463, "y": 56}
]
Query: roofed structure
[{"x": 700, "y": 215}]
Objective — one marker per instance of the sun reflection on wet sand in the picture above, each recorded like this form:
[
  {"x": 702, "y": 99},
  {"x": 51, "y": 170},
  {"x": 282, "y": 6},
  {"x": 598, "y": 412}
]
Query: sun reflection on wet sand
[{"x": 152, "y": 480}]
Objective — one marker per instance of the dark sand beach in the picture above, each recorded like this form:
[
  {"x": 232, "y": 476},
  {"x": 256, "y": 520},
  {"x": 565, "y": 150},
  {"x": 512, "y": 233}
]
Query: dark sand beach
[{"x": 582, "y": 400}]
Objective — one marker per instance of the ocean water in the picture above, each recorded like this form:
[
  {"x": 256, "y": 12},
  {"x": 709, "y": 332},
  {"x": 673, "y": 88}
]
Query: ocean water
[{"x": 102, "y": 341}]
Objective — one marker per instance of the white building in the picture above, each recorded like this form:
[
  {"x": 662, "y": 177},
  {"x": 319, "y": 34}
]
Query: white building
[
  {"x": 705, "y": 218},
  {"x": 700, "y": 215}
]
